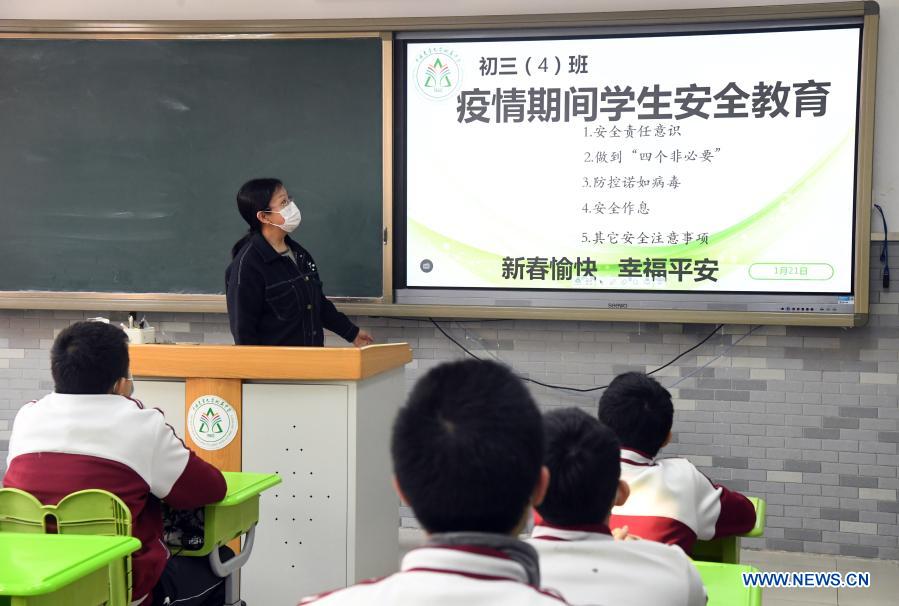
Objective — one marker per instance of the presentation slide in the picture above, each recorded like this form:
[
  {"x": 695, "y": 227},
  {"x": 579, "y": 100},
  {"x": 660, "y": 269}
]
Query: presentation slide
[{"x": 708, "y": 162}]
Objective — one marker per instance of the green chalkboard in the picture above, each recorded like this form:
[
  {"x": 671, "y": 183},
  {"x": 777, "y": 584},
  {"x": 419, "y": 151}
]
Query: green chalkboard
[{"x": 120, "y": 159}]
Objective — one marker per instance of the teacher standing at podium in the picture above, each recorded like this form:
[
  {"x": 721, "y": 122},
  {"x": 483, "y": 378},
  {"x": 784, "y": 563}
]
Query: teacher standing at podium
[{"x": 273, "y": 289}]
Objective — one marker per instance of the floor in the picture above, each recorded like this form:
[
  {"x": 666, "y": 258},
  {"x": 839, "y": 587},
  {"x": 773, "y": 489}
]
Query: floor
[{"x": 884, "y": 590}]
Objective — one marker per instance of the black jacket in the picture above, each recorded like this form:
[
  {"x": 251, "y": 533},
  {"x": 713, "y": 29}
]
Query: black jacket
[{"x": 272, "y": 301}]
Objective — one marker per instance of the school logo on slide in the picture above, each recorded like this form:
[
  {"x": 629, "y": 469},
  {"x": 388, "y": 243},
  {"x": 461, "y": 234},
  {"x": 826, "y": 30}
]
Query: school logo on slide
[
  {"x": 211, "y": 422},
  {"x": 437, "y": 73}
]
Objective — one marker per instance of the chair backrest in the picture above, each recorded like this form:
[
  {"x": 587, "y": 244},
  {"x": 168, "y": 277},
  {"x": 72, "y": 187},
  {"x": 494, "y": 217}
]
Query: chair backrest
[
  {"x": 727, "y": 549},
  {"x": 761, "y": 513},
  {"x": 92, "y": 512},
  {"x": 724, "y": 584},
  {"x": 99, "y": 512},
  {"x": 21, "y": 512}
]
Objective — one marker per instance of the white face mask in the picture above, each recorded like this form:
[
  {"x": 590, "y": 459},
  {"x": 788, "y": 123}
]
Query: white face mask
[{"x": 292, "y": 217}]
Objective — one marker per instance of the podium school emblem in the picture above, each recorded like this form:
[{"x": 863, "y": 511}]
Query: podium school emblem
[{"x": 211, "y": 422}]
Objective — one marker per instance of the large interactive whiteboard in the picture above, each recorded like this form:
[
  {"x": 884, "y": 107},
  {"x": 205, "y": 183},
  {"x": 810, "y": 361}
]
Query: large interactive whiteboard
[{"x": 708, "y": 167}]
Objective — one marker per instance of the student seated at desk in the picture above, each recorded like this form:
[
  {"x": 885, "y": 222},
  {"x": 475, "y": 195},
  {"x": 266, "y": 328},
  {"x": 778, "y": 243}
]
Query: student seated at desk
[
  {"x": 578, "y": 555},
  {"x": 467, "y": 451},
  {"x": 671, "y": 501},
  {"x": 89, "y": 433}
]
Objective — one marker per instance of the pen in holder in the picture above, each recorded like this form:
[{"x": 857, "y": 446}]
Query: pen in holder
[{"x": 141, "y": 335}]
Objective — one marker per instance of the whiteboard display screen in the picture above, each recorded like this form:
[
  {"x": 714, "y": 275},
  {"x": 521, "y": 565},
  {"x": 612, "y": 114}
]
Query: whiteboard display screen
[{"x": 700, "y": 162}]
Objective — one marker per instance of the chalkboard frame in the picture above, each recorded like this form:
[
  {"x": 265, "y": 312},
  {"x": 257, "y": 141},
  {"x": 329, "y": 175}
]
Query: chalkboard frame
[
  {"x": 385, "y": 28},
  {"x": 199, "y": 302}
]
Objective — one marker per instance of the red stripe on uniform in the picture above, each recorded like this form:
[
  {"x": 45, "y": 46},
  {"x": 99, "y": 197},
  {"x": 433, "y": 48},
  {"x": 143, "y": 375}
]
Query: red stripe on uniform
[{"x": 657, "y": 528}]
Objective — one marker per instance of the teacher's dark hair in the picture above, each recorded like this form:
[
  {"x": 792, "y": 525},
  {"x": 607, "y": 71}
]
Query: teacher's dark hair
[{"x": 254, "y": 196}]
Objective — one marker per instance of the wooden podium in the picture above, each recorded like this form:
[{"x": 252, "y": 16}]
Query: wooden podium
[{"x": 318, "y": 417}]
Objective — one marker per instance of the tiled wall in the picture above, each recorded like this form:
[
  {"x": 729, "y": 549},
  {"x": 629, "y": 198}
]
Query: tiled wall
[{"x": 805, "y": 417}]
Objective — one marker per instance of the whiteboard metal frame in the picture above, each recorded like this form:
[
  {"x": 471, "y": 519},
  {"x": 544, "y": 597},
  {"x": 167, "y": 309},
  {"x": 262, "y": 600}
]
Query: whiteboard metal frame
[{"x": 342, "y": 27}]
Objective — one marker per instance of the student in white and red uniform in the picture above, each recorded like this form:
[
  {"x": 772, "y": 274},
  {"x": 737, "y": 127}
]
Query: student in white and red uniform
[
  {"x": 671, "y": 501},
  {"x": 89, "y": 433},
  {"x": 578, "y": 555},
  {"x": 466, "y": 452}
]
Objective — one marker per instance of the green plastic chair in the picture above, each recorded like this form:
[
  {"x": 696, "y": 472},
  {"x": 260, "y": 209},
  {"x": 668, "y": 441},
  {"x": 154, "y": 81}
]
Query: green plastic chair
[
  {"x": 724, "y": 584},
  {"x": 21, "y": 512},
  {"x": 727, "y": 550},
  {"x": 86, "y": 512},
  {"x": 97, "y": 512}
]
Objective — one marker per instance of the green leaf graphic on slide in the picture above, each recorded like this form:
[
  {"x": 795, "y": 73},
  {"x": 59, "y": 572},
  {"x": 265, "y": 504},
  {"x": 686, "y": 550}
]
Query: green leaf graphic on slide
[{"x": 736, "y": 245}]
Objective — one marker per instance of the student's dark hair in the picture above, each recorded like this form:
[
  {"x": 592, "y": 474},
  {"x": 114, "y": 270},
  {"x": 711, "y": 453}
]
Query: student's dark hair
[
  {"x": 582, "y": 457},
  {"x": 467, "y": 448},
  {"x": 637, "y": 408},
  {"x": 253, "y": 196},
  {"x": 88, "y": 358}
]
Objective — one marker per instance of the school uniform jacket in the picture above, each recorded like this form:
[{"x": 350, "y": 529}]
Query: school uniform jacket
[
  {"x": 587, "y": 566},
  {"x": 64, "y": 443},
  {"x": 673, "y": 502},
  {"x": 273, "y": 301},
  {"x": 446, "y": 576}
]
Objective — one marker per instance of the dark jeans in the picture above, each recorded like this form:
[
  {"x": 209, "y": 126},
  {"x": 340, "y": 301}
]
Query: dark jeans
[{"x": 190, "y": 581}]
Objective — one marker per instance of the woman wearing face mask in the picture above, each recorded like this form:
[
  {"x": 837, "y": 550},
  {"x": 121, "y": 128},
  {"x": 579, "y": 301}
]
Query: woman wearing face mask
[{"x": 272, "y": 286}]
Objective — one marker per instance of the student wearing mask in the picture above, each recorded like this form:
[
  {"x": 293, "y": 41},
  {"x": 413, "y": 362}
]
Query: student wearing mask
[
  {"x": 272, "y": 287},
  {"x": 90, "y": 433}
]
